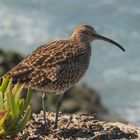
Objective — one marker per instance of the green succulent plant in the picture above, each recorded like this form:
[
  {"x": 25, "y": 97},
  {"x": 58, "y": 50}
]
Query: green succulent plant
[{"x": 14, "y": 111}]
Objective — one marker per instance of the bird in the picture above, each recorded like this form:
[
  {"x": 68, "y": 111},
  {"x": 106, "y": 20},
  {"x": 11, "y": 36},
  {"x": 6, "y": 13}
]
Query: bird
[{"x": 58, "y": 65}]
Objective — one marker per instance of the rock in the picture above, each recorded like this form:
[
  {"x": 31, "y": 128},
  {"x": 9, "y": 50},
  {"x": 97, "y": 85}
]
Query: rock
[
  {"x": 8, "y": 60},
  {"x": 77, "y": 126}
]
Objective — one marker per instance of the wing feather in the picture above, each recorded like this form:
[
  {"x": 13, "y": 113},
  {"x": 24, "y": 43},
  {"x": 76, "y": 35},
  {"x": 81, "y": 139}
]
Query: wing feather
[{"x": 47, "y": 63}]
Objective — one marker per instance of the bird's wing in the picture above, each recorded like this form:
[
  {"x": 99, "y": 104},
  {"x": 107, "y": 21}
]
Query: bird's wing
[
  {"x": 44, "y": 63},
  {"x": 23, "y": 71},
  {"x": 62, "y": 54}
]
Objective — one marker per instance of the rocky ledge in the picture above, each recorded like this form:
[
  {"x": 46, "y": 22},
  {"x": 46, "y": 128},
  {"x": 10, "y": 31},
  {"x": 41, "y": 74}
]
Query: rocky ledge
[{"x": 77, "y": 126}]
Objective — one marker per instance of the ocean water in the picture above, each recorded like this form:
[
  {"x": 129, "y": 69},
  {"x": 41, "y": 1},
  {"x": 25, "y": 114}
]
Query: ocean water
[{"x": 26, "y": 24}]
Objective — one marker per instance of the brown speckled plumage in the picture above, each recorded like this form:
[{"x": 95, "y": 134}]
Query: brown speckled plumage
[{"x": 58, "y": 65}]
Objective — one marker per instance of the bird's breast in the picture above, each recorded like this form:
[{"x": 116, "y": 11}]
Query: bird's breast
[{"x": 72, "y": 72}]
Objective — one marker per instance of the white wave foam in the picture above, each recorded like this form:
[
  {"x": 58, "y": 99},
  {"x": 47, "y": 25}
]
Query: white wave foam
[
  {"x": 113, "y": 73},
  {"x": 25, "y": 29},
  {"x": 131, "y": 114},
  {"x": 134, "y": 77}
]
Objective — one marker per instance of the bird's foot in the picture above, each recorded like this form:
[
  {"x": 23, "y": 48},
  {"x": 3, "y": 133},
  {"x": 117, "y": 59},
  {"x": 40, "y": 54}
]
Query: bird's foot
[
  {"x": 55, "y": 126},
  {"x": 56, "y": 121},
  {"x": 45, "y": 124}
]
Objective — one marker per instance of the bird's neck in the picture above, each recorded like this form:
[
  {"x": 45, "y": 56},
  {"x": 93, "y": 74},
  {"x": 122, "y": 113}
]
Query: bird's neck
[{"x": 79, "y": 38}]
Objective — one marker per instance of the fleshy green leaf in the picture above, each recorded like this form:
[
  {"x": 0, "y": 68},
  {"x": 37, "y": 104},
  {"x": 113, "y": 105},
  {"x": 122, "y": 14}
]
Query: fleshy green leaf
[
  {"x": 12, "y": 105},
  {"x": 22, "y": 123},
  {"x": 2, "y": 120},
  {"x": 18, "y": 93},
  {"x": 14, "y": 111},
  {"x": 1, "y": 100},
  {"x": 15, "y": 88},
  {"x": 28, "y": 98},
  {"x": 4, "y": 84}
]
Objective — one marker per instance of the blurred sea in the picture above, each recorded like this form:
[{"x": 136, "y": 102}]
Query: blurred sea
[{"x": 26, "y": 24}]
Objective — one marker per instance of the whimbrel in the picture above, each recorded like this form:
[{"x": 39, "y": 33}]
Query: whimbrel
[{"x": 58, "y": 65}]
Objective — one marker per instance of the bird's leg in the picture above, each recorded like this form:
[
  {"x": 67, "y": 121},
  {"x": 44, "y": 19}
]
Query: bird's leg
[
  {"x": 58, "y": 105},
  {"x": 44, "y": 100}
]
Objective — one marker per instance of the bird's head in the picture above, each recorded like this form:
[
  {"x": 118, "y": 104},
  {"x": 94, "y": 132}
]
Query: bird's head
[{"x": 88, "y": 33}]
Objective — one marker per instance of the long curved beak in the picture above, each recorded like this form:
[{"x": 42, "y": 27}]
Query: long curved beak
[{"x": 99, "y": 37}]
